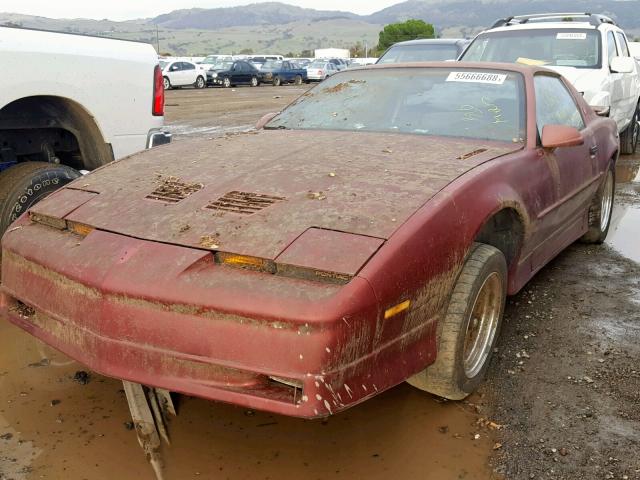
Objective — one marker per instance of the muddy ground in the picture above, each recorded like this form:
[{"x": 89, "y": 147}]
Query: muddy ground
[{"x": 564, "y": 383}]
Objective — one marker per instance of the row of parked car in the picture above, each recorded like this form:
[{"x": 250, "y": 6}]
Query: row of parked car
[{"x": 226, "y": 71}]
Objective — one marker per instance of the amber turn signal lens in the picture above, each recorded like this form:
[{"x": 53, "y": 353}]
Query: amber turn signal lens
[
  {"x": 79, "y": 228},
  {"x": 246, "y": 261},
  {"x": 401, "y": 307}
]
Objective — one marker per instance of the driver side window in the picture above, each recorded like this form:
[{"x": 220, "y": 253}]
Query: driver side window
[{"x": 554, "y": 104}]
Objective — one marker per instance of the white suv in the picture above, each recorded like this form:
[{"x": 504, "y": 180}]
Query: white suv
[{"x": 591, "y": 51}]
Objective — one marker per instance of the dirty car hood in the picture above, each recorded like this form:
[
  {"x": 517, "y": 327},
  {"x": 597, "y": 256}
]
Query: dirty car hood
[{"x": 361, "y": 183}]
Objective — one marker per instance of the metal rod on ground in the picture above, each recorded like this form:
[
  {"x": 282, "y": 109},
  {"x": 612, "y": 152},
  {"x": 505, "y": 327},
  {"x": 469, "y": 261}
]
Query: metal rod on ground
[{"x": 146, "y": 428}]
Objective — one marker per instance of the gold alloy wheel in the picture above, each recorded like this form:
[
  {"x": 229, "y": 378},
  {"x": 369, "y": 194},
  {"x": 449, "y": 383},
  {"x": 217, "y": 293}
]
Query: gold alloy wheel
[{"x": 482, "y": 326}]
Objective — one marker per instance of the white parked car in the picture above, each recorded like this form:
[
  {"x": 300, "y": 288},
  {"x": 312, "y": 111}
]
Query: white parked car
[
  {"x": 181, "y": 73},
  {"x": 591, "y": 51},
  {"x": 320, "y": 69}
]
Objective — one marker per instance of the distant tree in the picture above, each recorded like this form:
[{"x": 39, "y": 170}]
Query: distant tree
[
  {"x": 246, "y": 51},
  {"x": 291, "y": 55},
  {"x": 357, "y": 50},
  {"x": 399, "y": 32},
  {"x": 306, "y": 53}
]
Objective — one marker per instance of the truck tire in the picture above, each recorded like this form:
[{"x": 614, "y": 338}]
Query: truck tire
[
  {"x": 470, "y": 328},
  {"x": 600, "y": 210},
  {"x": 629, "y": 138},
  {"x": 297, "y": 80},
  {"x": 24, "y": 184},
  {"x": 277, "y": 81}
]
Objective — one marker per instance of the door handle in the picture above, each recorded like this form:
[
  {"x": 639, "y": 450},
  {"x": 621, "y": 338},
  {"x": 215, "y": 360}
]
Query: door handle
[{"x": 593, "y": 150}]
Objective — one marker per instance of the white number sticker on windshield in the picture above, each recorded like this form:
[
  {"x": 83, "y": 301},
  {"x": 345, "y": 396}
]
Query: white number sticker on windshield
[
  {"x": 571, "y": 36},
  {"x": 477, "y": 77}
]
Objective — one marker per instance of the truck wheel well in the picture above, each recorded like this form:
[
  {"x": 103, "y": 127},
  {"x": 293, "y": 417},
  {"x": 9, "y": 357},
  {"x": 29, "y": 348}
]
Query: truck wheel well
[
  {"x": 504, "y": 231},
  {"x": 30, "y": 121}
]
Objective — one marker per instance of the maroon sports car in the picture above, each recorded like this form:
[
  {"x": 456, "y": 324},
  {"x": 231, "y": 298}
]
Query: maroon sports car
[{"x": 367, "y": 235}]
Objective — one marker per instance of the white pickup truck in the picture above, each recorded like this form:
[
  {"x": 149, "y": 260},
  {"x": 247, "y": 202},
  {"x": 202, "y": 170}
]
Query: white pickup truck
[
  {"x": 70, "y": 103},
  {"x": 589, "y": 50}
]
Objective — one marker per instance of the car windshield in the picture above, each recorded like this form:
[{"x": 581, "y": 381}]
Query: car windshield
[
  {"x": 222, "y": 65},
  {"x": 272, "y": 65},
  {"x": 565, "y": 47},
  {"x": 420, "y": 53},
  {"x": 479, "y": 104}
]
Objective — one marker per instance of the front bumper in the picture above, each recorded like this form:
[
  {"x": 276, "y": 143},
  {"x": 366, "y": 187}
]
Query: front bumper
[
  {"x": 167, "y": 316},
  {"x": 157, "y": 137}
]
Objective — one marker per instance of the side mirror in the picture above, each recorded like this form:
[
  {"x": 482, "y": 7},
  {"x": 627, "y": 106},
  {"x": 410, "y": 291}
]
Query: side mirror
[
  {"x": 264, "y": 120},
  {"x": 622, "y": 64},
  {"x": 554, "y": 136}
]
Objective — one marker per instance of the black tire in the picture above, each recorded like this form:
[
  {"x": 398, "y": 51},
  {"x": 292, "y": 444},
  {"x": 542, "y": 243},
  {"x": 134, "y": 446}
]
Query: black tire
[
  {"x": 600, "y": 209},
  {"x": 485, "y": 270},
  {"x": 166, "y": 83},
  {"x": 277, "y": 81},
  {"x": 629, "y": 138},
  {"x": 24, "y": 184},
  {"x": 254, "y": 82},
  {"x": 200, "y": 82},
  {"x": 226, "y": 82},
  {"x": 297, "y": 80}
]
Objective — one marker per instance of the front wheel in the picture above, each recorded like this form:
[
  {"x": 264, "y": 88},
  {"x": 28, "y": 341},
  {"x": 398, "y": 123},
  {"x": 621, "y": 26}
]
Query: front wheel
[
  {"x": 254, "y": 82},
  {"x": 226, "y": 83},
  {"x": 24, "y": 184},
  {"x": 200, "y": 83},
  {"x": 468, "y": 332},
  {"x": 600, "y": 210},
  {"x": 166, "y": 83},
  {"x": 629, "y": 138}
]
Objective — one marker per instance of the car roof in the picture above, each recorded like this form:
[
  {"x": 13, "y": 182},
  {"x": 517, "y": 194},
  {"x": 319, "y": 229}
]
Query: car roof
[{"x": 434, "y": 41}]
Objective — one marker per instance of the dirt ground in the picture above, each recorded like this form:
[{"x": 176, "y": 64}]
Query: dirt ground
[{"x": 563, "y": 389}]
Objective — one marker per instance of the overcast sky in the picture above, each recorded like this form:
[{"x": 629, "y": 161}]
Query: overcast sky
[{"x": 131, "y": 9}]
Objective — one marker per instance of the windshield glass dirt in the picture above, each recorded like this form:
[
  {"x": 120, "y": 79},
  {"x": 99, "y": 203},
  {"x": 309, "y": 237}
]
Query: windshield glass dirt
[
  {"x": 479, "y": 104},
  {"x": 578, "y": 48},
  {"x": 420, "y": 53}
]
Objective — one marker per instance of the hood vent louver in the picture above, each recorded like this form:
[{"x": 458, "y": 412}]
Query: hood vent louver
[
  {"x": 243, "y": 203},
  {"x": 172, "y": 190}
]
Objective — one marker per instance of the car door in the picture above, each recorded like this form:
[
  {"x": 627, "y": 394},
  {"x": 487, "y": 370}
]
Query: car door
[
  {"x": 174, "y": 72},
  {"x": 618, "y": 110},
  {"x": 574, "y": 169},
  {"x": 241, "y": 75},
  {"x": 190, "y": 73},
  {"x": 628, "y": 100}
]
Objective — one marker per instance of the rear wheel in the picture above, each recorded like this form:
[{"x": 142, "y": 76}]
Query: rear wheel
[
  {"x": 600, "y": 210},
  {"x": 200, "y": 83},
  {"x": 470, "y": 328},
  {"x": 297, "y": 80},
  {"x": 629, "y": 138},
  {"x": 166, "y": 83},
  {"x": 23, "y": 185},
  {"x": 277, "y": 81},
  {"x": 254, "y": 82}
]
